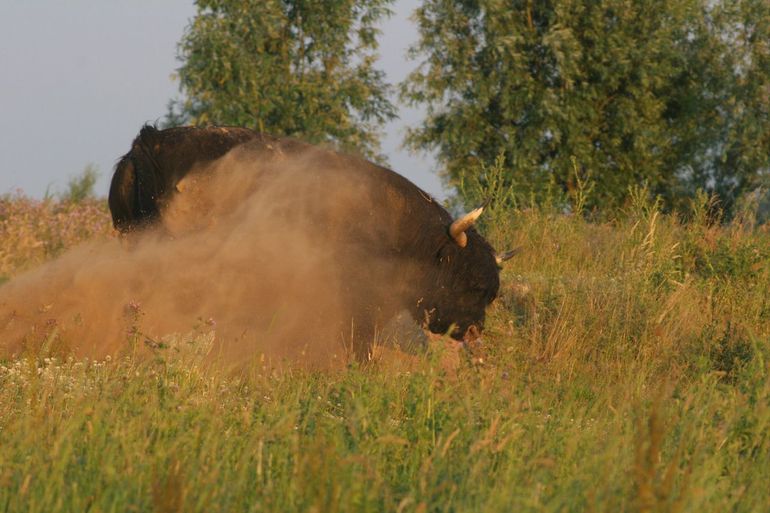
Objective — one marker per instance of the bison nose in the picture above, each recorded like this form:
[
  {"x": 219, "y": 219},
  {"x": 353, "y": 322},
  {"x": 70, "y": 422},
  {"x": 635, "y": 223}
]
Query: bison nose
[{"x": 472, "y": 334}]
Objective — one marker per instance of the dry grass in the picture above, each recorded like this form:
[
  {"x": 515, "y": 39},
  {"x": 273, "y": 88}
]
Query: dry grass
[
  {"x": 625, "y": 368},
  {"x": 34, "y": 231}
]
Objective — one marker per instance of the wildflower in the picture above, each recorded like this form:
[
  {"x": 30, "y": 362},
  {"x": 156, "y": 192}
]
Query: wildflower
[{"x": 133, "y": 307}]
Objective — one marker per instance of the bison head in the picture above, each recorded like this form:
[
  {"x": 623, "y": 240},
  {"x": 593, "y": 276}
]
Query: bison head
[{"x": 465, "y": 280}]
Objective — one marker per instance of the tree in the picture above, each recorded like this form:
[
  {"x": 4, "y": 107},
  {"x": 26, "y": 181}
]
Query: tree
[
  {"x": 673, "y": 94},
  {"x": 288, "y": 67},
  {"x": 81, "y": 187}
]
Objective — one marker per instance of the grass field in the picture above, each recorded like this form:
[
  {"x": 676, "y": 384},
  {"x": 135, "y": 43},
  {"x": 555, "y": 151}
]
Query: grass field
[{"x": 624, "y": 368}]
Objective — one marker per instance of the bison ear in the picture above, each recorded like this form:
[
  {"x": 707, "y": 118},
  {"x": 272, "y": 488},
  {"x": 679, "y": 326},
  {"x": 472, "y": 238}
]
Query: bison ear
[
  {"x": 458, "y": 227},
  {"x": 507, "y": 255}
]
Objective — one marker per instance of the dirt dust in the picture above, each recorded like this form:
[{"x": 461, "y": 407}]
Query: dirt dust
[{"x": 246, "y": 251}]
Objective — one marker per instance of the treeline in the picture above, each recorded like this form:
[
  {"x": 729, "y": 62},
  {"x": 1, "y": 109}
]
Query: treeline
[{"x": 600, "y": 97}]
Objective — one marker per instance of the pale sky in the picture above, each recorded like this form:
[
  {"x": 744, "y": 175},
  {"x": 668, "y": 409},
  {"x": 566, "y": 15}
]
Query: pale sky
[{"x": 79, "y": 78}]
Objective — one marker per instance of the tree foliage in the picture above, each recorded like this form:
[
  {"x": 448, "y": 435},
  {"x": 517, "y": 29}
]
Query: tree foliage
[
  {"x": 674, "y": 94},
  {"x": 289, "y": 67},
  {"x": 81, "y": 187}
]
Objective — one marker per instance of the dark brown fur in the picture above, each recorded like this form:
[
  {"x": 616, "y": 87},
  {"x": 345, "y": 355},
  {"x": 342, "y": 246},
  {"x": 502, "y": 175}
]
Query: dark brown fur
[{"x": 146, "y": 176}]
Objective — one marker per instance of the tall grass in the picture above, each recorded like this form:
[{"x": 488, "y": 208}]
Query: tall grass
[
  {"x": 624, "y": 368},
  {"x": 34, "y": 231}
]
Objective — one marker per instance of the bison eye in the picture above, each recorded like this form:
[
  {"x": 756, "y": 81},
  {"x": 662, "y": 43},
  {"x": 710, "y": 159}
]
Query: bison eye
[{"x": 444, "y": 253}]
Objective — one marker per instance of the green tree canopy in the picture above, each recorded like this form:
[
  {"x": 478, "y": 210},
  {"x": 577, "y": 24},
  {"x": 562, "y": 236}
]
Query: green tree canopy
[
  {"x": 289, "y": 67},
  {"x": 671, "y": 93}
]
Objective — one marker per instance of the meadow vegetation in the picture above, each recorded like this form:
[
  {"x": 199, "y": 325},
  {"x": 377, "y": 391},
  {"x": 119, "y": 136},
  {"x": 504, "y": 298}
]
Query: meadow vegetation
[
  {"x": 34, "y": 231},
  {"x": 624, "y": 368}
]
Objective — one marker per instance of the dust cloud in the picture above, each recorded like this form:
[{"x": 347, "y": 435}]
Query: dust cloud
[{"x": 247, "y": 250}]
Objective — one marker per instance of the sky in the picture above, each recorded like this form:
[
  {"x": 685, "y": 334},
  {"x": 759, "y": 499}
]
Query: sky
[{"x": 79, "y": 78}]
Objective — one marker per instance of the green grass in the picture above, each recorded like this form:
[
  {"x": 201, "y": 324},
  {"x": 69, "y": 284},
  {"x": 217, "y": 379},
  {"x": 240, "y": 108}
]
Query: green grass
[{"x": 625, "y": 368}]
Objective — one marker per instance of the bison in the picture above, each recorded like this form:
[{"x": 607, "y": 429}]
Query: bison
[{"x": 439, "y": 269}]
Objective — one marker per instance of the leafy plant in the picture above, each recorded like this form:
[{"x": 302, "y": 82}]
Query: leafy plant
[
  {"x": 294, "y": 68},
  {"x": 671, "y": 94},
  {"x": 81, "y": 187}
]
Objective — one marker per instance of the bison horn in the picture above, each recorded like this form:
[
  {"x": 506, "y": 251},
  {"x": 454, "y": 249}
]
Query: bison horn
[
  {"x": 507, "y": 255},
  {"x": 457, "y": 228}
]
